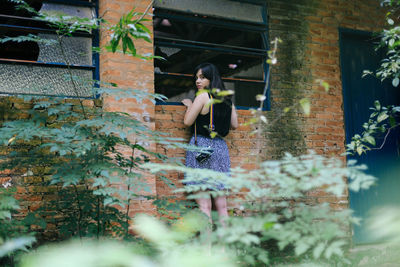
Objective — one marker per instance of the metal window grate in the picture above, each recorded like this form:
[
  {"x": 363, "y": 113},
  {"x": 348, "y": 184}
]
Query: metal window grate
[
  {"x": 41, "y": 68},
  {"x": 189, "y": 33}
]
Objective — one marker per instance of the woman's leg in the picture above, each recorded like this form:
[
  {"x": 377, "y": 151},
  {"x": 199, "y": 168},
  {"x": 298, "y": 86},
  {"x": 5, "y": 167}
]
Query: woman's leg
[
  {"x": 222, "y": 209},
  {"x": 205, "y": 206}
]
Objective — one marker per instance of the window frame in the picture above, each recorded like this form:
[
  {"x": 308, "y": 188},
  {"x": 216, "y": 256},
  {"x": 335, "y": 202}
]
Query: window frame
[
  {"x": 261, "y": 27},
  {"x": 47, "y": 29}
]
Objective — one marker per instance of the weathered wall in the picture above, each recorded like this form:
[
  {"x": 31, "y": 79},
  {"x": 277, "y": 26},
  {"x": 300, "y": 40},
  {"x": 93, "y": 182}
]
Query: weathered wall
[
  {"x": 33, "y": 189},
  {"x": 32, "y": 175},
  {"x": 309, "y": 30},
  {"x": 309, "y": 51},
  {"x": 243, "y": 147},
  {"x": 130, "y": 73}
]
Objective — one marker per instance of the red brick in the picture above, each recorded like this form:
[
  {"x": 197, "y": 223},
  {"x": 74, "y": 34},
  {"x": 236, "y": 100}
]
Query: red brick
[{"x": 323, "y": 130}]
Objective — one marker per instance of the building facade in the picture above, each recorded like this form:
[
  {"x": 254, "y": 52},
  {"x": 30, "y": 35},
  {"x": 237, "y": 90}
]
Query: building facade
[{"x": 236, "y": 36}]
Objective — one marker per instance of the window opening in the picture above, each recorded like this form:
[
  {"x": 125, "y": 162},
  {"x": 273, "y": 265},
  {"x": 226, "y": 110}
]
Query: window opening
[
  {"x": 43, "y": 64},
  {"x": 188, "y": 37}
]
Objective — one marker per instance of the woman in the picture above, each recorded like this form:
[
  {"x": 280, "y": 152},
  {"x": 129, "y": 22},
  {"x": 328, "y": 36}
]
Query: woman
[{"x": 206, "y": 76}]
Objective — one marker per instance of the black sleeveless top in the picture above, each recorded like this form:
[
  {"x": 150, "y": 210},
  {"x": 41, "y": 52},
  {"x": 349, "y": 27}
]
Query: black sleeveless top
[{"x": 222, "y": 120}]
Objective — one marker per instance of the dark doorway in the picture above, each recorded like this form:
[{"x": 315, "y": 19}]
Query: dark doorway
[{"x": 357, "y": 53}]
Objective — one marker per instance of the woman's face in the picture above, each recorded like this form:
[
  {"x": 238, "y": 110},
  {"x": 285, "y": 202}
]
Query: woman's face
[{"x": 201, "y": 81}]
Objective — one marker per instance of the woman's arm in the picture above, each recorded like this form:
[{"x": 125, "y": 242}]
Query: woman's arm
[
  {"x": 234, "y": 119},
  {"x": 193, "y": 109}
]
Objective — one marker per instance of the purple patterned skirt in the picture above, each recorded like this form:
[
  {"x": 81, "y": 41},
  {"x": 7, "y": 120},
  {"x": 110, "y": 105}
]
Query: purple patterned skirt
[{"x": 218, "y": 161}]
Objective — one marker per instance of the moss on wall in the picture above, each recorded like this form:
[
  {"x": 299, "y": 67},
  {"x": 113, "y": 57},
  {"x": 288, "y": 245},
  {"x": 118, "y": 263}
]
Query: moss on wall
[{"x": 291, "y": 77}]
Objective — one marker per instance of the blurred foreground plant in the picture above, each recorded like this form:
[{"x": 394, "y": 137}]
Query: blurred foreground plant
[
  {"x": 383, "y": 225},
  {"x": 13, "y": 234},
  {"x": 86, "y": 161},
  {"x": 282, "y": 220},
  {"x": 383, "y": 119},
  {"x": 161, "y": 246}
]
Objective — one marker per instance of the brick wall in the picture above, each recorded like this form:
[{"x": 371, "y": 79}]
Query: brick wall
[
  {"x": 310, "y": 51},
  {"x": 309, "y": 30},
  {"x": 243, "y": 148},
  {"x": 129, "y": 73},
  {"x": 33, "y": 189},
  {"x": 32, "y": 174}
]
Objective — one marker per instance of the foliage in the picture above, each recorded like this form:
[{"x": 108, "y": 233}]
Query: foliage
[
  {"x": 129, "y": 28},
  {"x": 282, "y": 215},
  {"x": 90, "y": 156},
  {"x": 390, "y": 41},
  {"x": 85, "y": 154},
  {"x": 165, "y": 246},
  {"x": 13, "y": 234},
  {"x": 382, "y": 119},
  {"x": 383, "y": 224},
  {"x": 85, "y": 150},
  {"x": 376, "y": 255}
]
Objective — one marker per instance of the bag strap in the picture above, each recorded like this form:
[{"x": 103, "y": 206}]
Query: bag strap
[{"x": 211, "y": 126}]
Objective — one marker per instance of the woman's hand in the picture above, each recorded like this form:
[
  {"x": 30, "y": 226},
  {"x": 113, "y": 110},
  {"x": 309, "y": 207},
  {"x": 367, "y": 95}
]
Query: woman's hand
[
  {"x": 234, "y": 118},
  {"x": 187, "y": 102}
]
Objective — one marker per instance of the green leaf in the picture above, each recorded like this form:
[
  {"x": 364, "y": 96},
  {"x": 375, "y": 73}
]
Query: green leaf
[
  {"x": 301, "y": 247},
  {"x": 250, "y": 259},
  {"x": 224, "y": 93},
  {"x": 370, "y": 139},
  {"x": 305, "y": 104},
  {"x": 359, "y": 150},
  {"x": 131, "y": 46},
  {"x": 213, "y": 134},
  {"x": 334, "y": 248},
  {"x": 125, "y": 43},
  {"x": 260, "y": 97},
  {"x": 20, "y": 243},
  {"x": 366, "y": 73},
  {"x": 5, "y": 214},
  {"x": 377, "y": 105},
  {"x": 382, "y": 116},
  {"x": 199, "y": 92},
  {"x": 268, "y": 225},
  {"x": 325, "y": 85},
  {"x": 108, "y": 201},
  {"x": 318, "y": 250},
  {"x": 263, "y": 257},
  {"x": 143, "y": 28},
  {"x": 147, "y": 39},
  {"x": 114, "y": 43},
  {"x": 395, "y": 81},
  {"x": 392, "y": 121}
]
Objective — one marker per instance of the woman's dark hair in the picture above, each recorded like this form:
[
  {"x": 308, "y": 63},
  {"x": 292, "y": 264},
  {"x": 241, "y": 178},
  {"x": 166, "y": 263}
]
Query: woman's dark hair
[
  {"x": 211, "y": 72},
  {"x": 222, "y": 114}
]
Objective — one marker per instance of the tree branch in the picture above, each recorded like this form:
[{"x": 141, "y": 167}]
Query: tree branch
[{"x": 384, "y": 139}]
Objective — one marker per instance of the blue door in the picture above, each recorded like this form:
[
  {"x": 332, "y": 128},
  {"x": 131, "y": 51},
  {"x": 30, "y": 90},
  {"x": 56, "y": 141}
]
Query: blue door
[{"x": 357, "y": 53}]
